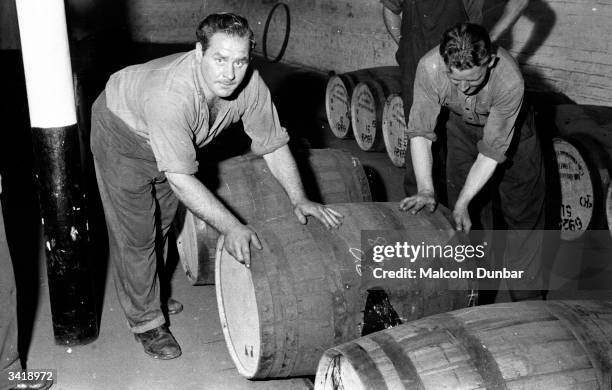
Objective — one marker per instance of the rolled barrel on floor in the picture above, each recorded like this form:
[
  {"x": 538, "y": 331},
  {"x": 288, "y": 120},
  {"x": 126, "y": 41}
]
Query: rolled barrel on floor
[
  {"x": 583, "y": 169},
  {"x": 302, "y": 292},
  {"x": 526, "y": 345},
  {"x": 250, "y": 191},
  {"x": 394, "y": 130},
  {"x": 367, "y": 104},
  {"x": 338, "y": 97}
]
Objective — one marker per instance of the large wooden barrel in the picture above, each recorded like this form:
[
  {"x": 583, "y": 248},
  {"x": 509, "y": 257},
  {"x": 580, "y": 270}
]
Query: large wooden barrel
[
  {"x": 367, "y": 104},
  {"x": 526, "y": 345},
  {"x": 338, "y": 97},
  {"x": 394, "y": 130},
  {"x": 302, "y": 292},
  {"x": 583, "y": 169},
  {"x": 246, "y": 186}
]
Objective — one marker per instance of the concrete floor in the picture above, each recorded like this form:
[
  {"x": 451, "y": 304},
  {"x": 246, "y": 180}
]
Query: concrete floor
[{"x": 116, "y": 361}]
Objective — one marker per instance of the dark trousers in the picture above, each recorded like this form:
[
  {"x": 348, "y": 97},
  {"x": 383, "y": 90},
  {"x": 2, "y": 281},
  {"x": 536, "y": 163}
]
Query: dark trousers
[
  {"x": 9, "y": 356},
  {"x": 139, "y": 207},
  {"x": 518, "y": 187}
]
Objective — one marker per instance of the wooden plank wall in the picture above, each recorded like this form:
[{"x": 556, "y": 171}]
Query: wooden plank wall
[{"x": 562, "y": 45}]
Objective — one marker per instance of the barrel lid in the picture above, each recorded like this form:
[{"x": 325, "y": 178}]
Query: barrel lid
[
  {"x": 576, "y": 190},
  {"x": 363, "y": 116},
  {"x": 337, "y": 107},
  {"x": 394, "y": 129},
  {"x": 238, "y": 312}
]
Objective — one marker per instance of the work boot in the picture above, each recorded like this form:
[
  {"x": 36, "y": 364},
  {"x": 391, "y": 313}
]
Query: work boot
[
  {"x": 174, "y": 306},
  {"x": 159, "y": 343}
]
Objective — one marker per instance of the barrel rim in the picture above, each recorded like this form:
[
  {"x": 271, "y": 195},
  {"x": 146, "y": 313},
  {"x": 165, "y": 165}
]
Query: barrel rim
[
  {"x": 242, "y": 370},
  {"x": 328, "y": 91},
  {"x": 376, "y": 144},
  {"x": 567, "y": 235},
  {"x": 389, "y": 145}
]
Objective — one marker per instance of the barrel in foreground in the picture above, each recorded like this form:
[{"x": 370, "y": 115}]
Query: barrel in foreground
[
  {"x": 248, "y": 188},
  {"x": 526, "y": 345},
  {"x": 303, "y": 292}
]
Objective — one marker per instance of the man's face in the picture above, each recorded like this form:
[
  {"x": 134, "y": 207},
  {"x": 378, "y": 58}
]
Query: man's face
[
  {"x": 224, "y": 64},
  {"x": 469, "y": 81}
]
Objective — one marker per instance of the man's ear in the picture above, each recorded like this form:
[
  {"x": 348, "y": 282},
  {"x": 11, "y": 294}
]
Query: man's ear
[{"x": 198, "y": 51}]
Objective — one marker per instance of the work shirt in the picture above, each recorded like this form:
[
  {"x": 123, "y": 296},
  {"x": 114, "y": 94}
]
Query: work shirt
[
  {"x": 162, "y": 104},
  {"x": 424, "y": 21},
  {"x": 495, "y": 107}
]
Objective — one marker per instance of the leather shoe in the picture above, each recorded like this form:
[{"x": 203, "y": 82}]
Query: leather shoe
[
  {"x": 174, "y": 306},
  {"x": 159, "y": 343}
]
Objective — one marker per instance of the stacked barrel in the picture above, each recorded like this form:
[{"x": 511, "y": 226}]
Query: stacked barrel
[{"x": 366, "y": 105}]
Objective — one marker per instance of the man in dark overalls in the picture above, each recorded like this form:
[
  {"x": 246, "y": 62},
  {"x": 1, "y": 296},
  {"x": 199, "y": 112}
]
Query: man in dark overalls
[
  {"x": 490, "y": 137},
  {"x": 417, "y": 25}
]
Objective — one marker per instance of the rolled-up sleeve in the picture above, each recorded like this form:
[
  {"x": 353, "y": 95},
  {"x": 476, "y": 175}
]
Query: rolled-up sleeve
[
  {"x": 425, "y": 105},
  {"x": 394, "y": 6},
  {"x": 499, "y": 129},
  {"x": 260, "y": 119},
  {"x": 170, "y": 136}
]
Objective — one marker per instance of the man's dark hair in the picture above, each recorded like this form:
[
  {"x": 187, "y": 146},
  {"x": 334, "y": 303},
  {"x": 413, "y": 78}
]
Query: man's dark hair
[
  {"x": 465, "y": 46},
  {"x": 227, "y": 23}
]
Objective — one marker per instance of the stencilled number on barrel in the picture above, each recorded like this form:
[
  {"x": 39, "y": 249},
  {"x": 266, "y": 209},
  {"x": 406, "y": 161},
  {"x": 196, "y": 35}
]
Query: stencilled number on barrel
[
  {"x": 366, "y": 138},
  {"x": 399, "y": 152},
  {"x": 248, "y": 350},
  {"x": 571, "y": 224},
  {"x": 567, "y": 221},
  {"x": 586, "y": 202},
  {"x": 341, "y": 126}
]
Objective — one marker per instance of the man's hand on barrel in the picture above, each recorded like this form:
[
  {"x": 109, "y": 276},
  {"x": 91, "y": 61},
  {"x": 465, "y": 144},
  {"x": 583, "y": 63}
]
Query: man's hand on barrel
[
  {"x": 328, "y": 217},
  {"x": 462, "y": 219},
  {"x": 415, "y": 203},
  {"x": 237, "y": 243}
]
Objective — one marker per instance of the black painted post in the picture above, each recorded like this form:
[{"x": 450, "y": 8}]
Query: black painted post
[{"x": 46, "y": 60}]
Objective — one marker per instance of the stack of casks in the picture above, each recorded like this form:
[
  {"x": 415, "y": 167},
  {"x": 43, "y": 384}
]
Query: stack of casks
[{"x": 366, "y": 105}]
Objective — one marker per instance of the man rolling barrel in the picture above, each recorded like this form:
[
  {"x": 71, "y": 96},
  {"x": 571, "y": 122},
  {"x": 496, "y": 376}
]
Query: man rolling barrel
[
  {"x": 490, "y": 139},
  {"x": 146, "y": 127}
]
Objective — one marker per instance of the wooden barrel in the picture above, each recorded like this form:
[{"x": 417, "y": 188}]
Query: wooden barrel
[
  {"x": 338, "y": 97},
  {"x": 246, "y": 186},
  {"x": 583, "y": 175},
  {"x": 367, "y": 104},
  {"x": 302, "y": 292},
  {"x": 394, "y": 130},
  {"x": 526, "y": 345}
]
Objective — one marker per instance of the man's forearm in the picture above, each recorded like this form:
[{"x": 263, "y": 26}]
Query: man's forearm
[
  {"x": 479, "y": 174},
  {"x": 284, "y": 169},
  {"x": 201, "y": 202},
  {"x": 393, "y": 22},
  {"x": 422, "y": 161},
  {"x": 512, "y": 11}
]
